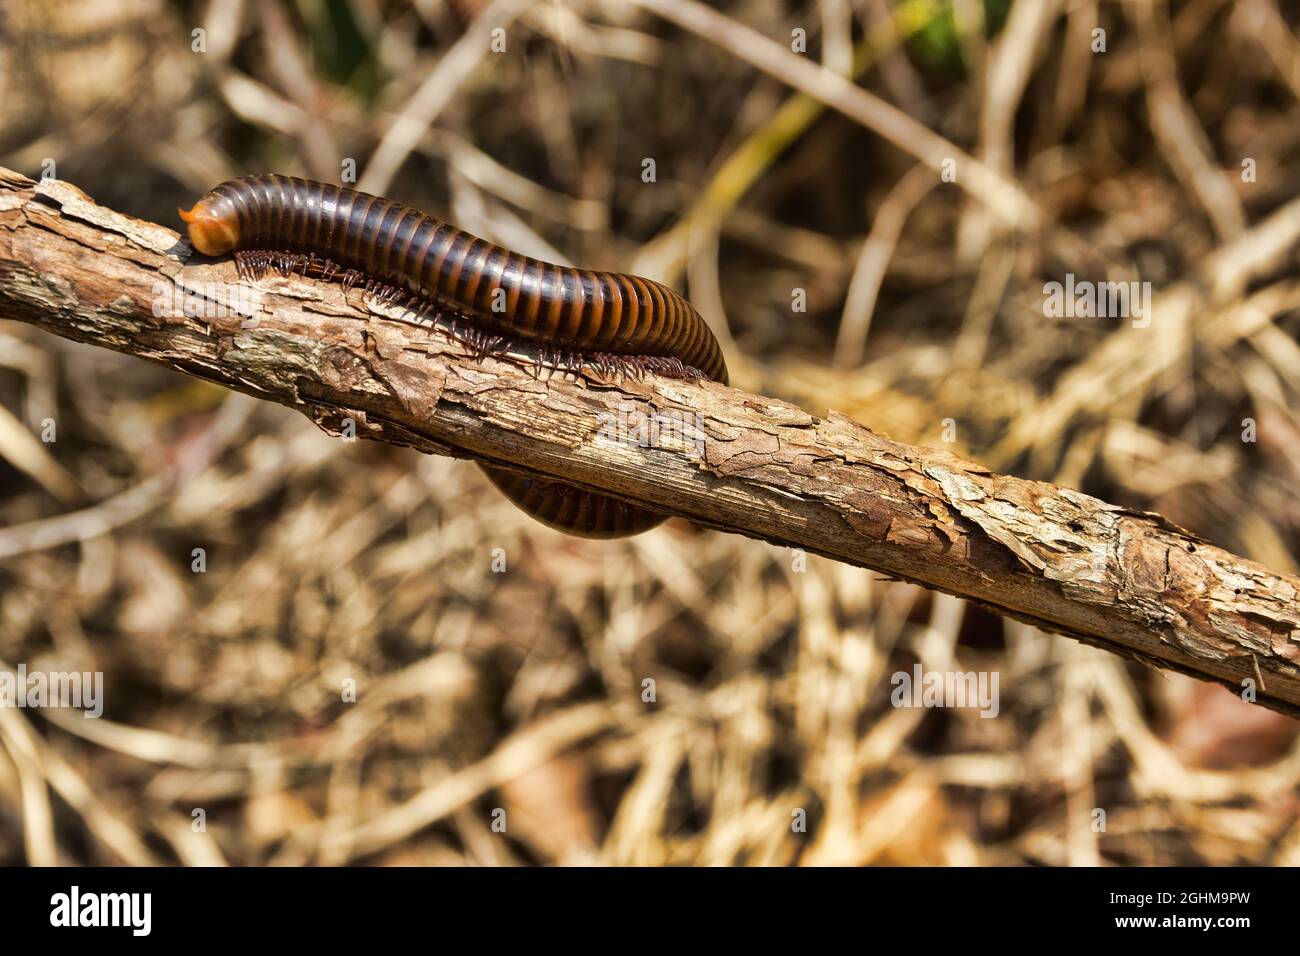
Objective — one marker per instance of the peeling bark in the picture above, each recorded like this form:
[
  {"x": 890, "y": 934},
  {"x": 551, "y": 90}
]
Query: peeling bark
[{"x": 1128, "y": 581}]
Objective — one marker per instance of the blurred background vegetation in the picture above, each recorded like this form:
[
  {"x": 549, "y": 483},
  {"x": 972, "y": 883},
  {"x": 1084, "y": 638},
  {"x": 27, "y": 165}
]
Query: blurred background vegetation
[{"x": 522, "y": 691}]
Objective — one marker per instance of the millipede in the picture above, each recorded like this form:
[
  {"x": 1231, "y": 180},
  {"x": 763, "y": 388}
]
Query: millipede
[{"x": 483, "y": 294}]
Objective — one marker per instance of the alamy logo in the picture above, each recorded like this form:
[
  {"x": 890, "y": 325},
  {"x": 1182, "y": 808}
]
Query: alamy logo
[
  {"x": 1098, "y": 300},
  {"x": 946, "y": 689},
  {"x": 672, "y": 431},
  {"x": 83, "y": 690},
  {"x": 205, "y": 300},
  {"x": 103, "y": 909}
]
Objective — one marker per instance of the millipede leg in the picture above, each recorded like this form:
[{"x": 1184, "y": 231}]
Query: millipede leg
[{"x": 253, "y": 264}]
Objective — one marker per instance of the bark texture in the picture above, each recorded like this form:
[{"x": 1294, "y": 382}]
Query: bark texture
[{"x": 1128, "y": 581}]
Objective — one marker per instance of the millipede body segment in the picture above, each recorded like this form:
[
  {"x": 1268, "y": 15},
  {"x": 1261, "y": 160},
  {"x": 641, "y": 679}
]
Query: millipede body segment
[{"x": 494, "y": 298}]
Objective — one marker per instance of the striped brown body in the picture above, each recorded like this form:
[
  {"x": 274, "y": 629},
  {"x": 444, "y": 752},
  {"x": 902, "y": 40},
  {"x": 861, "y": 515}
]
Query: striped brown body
[{"x": 603, "y": 316}]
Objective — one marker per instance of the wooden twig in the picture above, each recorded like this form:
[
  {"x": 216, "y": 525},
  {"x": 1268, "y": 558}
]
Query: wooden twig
[{"x": 1124, "y": 580}]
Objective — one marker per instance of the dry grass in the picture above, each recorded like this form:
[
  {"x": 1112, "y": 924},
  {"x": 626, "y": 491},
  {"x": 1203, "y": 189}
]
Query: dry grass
[{"x": 523, "y": 690}]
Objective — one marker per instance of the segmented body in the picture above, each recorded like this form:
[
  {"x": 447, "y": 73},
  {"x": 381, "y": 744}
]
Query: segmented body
[{"x": 502, "y": 300}]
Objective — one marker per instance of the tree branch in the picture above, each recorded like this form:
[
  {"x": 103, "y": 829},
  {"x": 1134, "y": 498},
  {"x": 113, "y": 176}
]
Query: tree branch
[{"x": 1128, "y": 581}]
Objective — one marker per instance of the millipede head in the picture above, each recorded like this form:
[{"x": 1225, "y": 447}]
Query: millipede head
[{"x": 213, "y": 225}]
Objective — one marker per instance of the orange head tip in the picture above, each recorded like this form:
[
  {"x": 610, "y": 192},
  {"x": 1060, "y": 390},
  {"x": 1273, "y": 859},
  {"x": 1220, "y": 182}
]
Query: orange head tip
[{"x": 186, "y": 214}]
